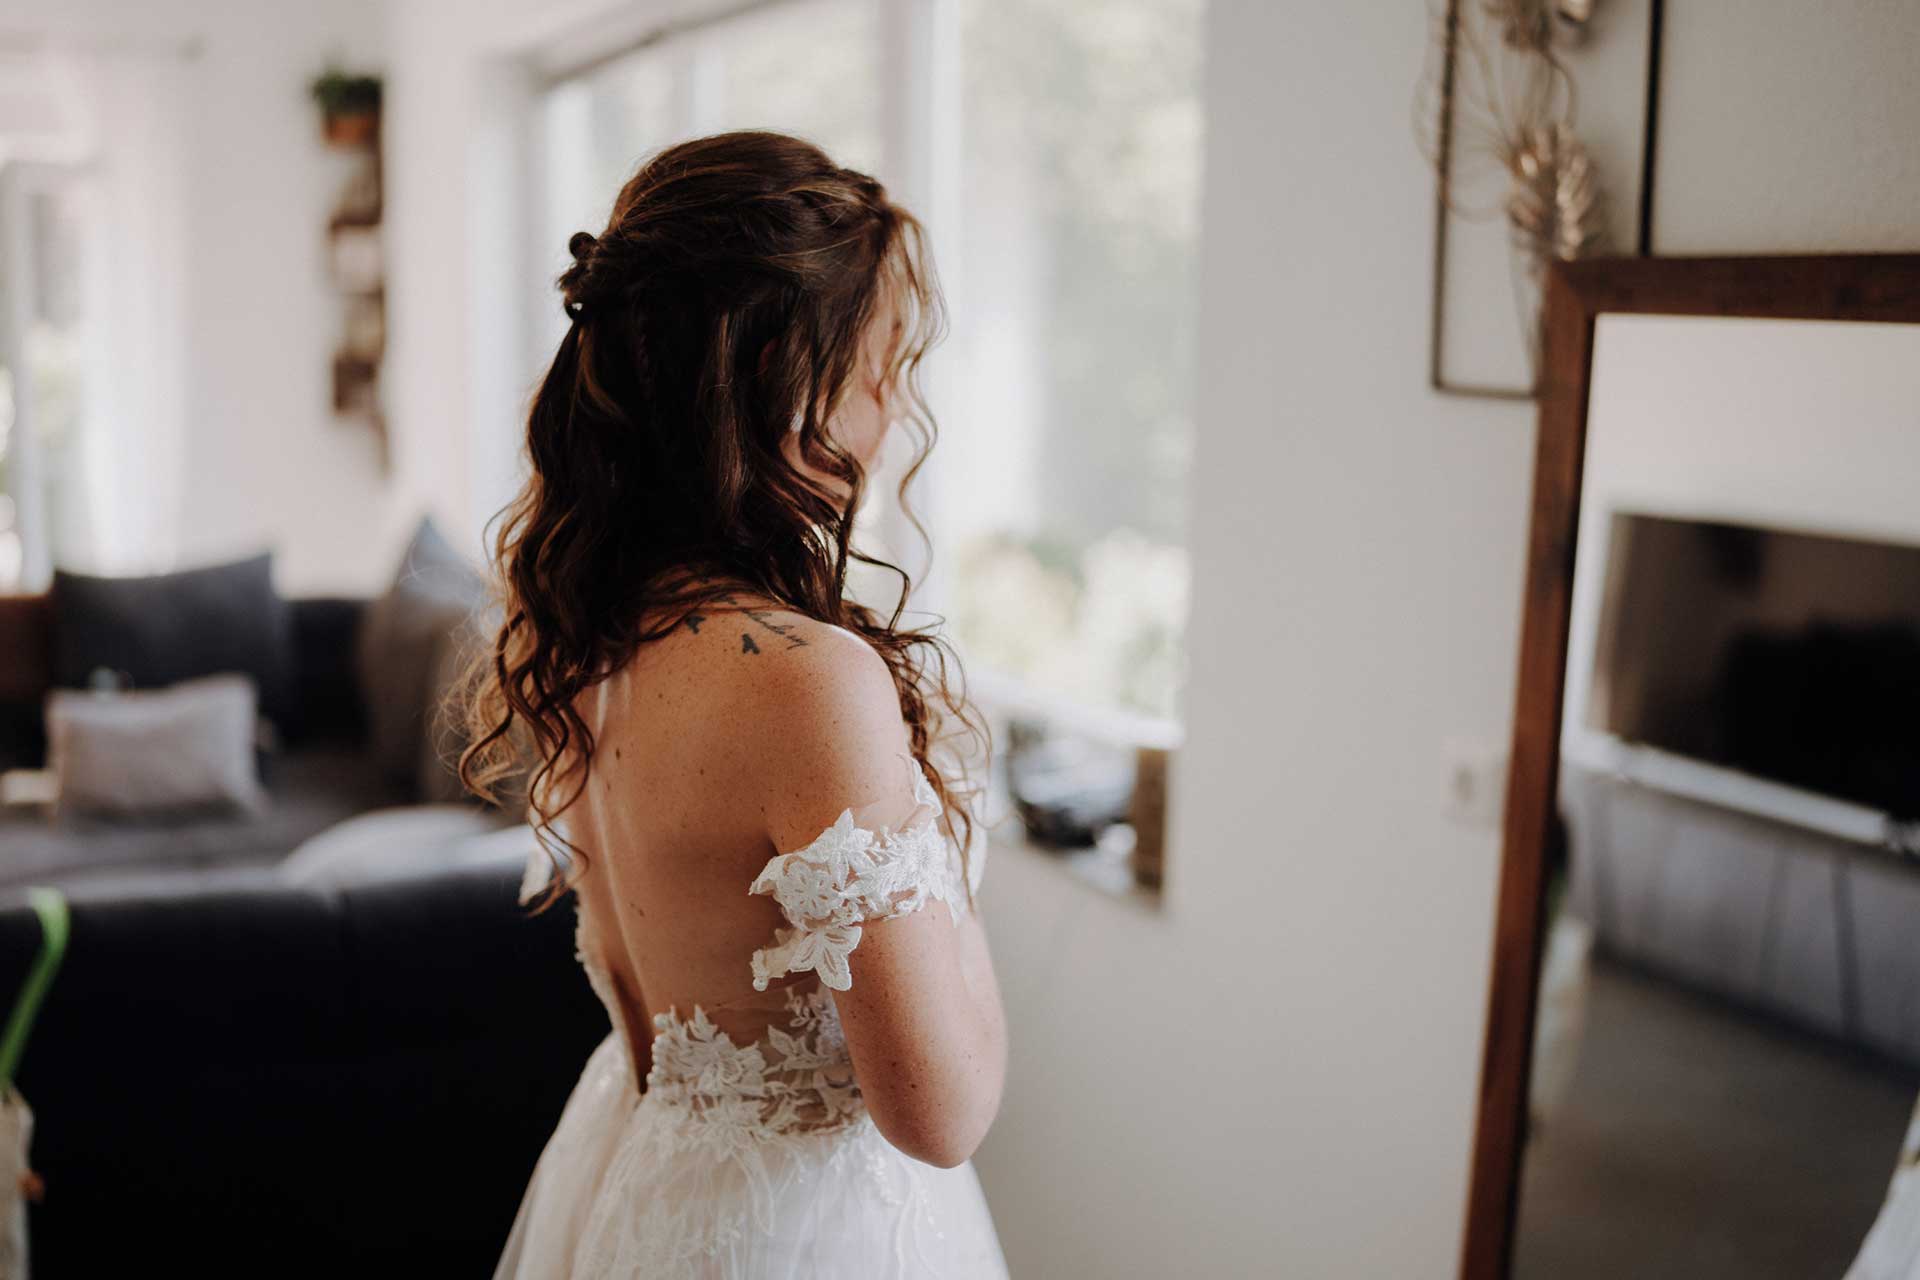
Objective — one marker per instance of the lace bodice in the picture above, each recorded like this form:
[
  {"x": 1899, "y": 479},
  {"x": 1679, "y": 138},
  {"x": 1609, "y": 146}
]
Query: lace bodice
[{"x": 780, "y": 1066}]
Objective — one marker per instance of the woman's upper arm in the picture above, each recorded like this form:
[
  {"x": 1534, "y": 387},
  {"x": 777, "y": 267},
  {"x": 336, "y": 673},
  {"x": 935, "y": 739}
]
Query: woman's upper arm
[
  {"x": 923, "y": 1022},
  {"x": 876, "y": 903}
]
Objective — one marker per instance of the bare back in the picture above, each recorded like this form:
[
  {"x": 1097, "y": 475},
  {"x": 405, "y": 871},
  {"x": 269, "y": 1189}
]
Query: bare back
[
  {"x": 671, "y": 821},
  {"x": 752, "y": 816}
]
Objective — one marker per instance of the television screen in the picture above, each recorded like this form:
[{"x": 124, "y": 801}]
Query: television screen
[{"x": 1790, "y": 656}]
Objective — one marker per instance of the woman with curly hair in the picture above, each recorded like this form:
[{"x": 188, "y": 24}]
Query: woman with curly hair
[{"x": 749, "y": 782}]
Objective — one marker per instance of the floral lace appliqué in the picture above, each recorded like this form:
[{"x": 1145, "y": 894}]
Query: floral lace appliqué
[
  {"x": 799, "y": 1080},
  {"x": 851, "y": 875}
]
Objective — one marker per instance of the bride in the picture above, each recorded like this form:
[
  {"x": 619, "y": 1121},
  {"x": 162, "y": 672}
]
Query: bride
[{"x": 734, "y": 764}]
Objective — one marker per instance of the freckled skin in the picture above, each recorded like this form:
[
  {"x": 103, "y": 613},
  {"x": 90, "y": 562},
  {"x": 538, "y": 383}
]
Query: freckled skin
[{"x": 714, "y": 756}]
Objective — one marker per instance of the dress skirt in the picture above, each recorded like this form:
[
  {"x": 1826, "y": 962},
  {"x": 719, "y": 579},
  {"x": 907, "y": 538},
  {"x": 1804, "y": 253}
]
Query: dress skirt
[{"x": 631, "y": 1186}]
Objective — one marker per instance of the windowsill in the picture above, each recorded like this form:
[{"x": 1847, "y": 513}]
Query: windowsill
[
  {"x": 1104, "y": 870},
  {"x": 1106, "y": 867}
]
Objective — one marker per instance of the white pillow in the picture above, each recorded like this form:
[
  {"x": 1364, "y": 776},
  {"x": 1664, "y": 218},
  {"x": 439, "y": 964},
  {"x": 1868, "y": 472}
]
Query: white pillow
[{"x": 188, "y": 746}]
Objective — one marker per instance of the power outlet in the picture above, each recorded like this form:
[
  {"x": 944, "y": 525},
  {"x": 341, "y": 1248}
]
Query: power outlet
[{"x": 1476, "y": 782}]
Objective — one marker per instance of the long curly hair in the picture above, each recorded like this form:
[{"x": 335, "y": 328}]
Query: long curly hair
[{"x": 723, "y": 308}]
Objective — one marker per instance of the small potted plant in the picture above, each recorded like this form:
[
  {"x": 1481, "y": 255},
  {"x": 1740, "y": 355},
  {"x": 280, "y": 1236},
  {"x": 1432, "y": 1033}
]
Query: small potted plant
[{"x": 350, "y": 103}]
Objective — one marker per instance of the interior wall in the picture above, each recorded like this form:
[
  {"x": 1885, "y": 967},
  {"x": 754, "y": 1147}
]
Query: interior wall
[
  {"x": 264, "y": 463},
  {"x": 1274, "y": 1075},
  {"x": 268, "y": 463},
  {"x": 1788, "y": 128},
  {"x": 462, "y": 265}
]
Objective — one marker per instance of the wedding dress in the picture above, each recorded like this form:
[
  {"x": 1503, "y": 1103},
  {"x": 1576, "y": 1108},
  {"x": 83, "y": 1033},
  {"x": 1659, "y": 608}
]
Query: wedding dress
[{"x": 750, "y": 1154}]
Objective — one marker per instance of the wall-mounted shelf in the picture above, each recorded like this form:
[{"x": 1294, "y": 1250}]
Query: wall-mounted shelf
[{"x": 356, "y": 266}]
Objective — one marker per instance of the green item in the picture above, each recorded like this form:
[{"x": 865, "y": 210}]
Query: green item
[
  {"x": 343, "y": 93},
  {"x": 55, "y": 925}
]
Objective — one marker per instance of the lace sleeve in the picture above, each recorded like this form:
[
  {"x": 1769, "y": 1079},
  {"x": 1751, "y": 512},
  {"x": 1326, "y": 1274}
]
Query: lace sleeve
[{"x": 852, "y": 874}]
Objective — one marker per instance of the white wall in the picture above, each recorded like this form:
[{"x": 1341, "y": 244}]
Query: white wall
[
  {"x": 1789, "y": 128},
  {"x": 1275, "y": 1074},
  {"x": 264, "y": 463},
  {"x": 462, "y": 265},
  {"x": 268, "y": 463}
]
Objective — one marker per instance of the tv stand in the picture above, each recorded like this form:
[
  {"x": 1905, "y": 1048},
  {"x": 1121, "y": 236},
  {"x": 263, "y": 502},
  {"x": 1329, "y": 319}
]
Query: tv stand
[{"x": 1799, "y": 906}]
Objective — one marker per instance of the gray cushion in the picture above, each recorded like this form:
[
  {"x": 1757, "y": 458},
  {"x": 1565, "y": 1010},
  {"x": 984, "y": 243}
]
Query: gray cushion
[
  {"x": 188, "y": 746},
  {"x": 163, "y": 629},
  {"x": 435, "y": 593}
]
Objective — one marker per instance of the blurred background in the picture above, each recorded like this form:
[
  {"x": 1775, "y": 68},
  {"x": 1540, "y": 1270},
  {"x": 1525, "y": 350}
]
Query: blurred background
[
  {"x": 277, "y": 277},
  {"x": 174, "y": 415}
]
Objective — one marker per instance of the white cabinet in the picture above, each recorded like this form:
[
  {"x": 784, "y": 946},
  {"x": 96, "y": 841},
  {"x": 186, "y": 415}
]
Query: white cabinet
[{"x": 1815, "y": 929}]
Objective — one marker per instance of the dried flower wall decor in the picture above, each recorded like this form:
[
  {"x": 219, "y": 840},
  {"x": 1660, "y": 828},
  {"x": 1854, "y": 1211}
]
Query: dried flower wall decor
[{"x": 1496, "y": 117}]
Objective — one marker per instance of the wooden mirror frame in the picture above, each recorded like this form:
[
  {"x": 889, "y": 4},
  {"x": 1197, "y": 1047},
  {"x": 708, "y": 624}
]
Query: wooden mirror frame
[{"x": 1865, "y": 287}]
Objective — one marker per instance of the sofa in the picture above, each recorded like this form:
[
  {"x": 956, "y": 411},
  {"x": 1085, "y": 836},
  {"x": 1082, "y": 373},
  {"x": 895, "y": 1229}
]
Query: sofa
[
  {"x": 235, "y": 1077},
  {"x": 305, "y": 1039}
]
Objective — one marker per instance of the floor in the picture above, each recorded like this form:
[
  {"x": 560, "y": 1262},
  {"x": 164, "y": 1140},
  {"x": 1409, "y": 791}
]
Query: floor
[{"x": 1698, "y": 1141}]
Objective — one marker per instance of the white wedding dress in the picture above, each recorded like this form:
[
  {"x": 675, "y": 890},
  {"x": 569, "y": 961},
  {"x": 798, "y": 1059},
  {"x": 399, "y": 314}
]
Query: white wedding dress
[{"x": 750, "y": 1154}]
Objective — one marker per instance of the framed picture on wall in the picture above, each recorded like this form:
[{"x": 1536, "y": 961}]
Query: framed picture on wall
[{"x": 1485, "y": 301}]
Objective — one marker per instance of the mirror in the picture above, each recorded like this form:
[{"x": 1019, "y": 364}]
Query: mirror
[{"x": 1704, "y": 1039}]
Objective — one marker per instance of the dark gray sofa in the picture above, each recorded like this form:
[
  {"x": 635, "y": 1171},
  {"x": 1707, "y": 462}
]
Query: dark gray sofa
[
  {"x": 233, "y": 1077},
  {"x": 237, "y": 1074}
]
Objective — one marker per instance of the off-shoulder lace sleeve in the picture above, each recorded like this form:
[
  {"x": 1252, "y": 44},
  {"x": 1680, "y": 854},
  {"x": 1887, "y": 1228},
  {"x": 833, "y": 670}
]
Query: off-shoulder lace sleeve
[{"x": 853, "y": 874}]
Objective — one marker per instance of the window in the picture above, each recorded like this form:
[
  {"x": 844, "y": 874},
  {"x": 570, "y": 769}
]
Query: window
[
  {"x": 810, "y": 68},
  {"x": 1059, "y": 175},
  {"x": 46, "y": 499},
  {"x": 1061, "y": 479}
]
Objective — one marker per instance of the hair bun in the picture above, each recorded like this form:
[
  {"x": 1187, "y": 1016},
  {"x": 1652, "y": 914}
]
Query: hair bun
[{"x": 575, "y": 283}]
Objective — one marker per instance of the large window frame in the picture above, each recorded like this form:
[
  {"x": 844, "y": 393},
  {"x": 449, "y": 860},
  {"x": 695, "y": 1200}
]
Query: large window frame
[{"x": 920, "y": 118}]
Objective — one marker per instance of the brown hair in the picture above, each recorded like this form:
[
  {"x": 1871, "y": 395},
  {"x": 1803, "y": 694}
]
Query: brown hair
[{"x": 724, "y": 305}]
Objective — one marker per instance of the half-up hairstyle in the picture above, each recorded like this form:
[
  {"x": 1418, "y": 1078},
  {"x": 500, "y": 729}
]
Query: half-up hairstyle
[{"x": 723, "y": 307}]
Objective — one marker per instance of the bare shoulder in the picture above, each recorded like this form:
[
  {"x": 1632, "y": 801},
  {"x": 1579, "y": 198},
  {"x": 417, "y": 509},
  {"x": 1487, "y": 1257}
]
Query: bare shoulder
[
  {"x": 811, "y": 711},
  {"x": 752, "y": 628},
  {"x": 786, "y": 677}
]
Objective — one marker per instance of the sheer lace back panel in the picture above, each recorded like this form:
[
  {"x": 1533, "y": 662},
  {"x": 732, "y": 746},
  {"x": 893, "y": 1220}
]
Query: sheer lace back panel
[{"x": 773, "y": 1061}]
